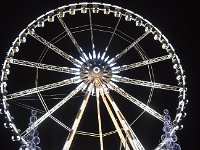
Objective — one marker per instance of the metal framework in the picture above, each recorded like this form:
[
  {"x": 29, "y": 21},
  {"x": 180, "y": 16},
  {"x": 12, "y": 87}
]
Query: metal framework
[{"x": 94, "y": 74}]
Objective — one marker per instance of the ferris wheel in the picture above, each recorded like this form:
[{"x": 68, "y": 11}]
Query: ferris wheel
[{"x": 98, "y": 75}]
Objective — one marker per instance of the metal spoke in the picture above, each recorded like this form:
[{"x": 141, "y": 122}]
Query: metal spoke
[
  {"x": 27, "y": 107},
  {"x": 109, "y": 133},
  {"x": 99, "y": 119},
  {"x": 88, "y": 134},
  {"x": 52, "y": 110},
  {"x": 136, "y": 101},
  {"x": 43, "y": 88},
  {"x": 42, "y": 101},
  {"x": 119, "y": 131},
  {"x": 145, "y": 83},
  {"x": 45, "y": 66},
  {"x": 78, "y": 119},
  {"x": 46, "y": 110},
  {"x": 91, "y": 30},
  {"x": 71, "y": 37},
  {"x": 118, "y": 56},
  {"x": 60, "y": 123},
  {"x": 134, "y": 141},
  {"x": 141, "y": 63},
  {"x": 57, "y": 50},
  {"x": 41, "y": 112},
  {"x": 113, "y": 33}
]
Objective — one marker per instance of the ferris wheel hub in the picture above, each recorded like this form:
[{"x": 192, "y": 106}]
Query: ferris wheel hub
[
  {"x": 96, "y": 69},
  {"x": 96, "y": 72}
]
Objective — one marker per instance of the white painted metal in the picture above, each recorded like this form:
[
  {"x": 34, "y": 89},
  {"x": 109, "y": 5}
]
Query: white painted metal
[
  {"x": 77, "y": 120},
  {"x": 134, "y": 141},
  {"x": 95, "y": 72},
  {"x": 118, "y": 129},
  {"x": 136, "y": 102},
  {"x": 99, "y": 119}
]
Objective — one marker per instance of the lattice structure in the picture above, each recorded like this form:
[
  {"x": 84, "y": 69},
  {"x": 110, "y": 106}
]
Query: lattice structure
[{"x": 97, "y": 59}]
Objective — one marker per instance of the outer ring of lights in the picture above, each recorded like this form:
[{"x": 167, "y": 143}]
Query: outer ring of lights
[{"x": 106, "y": 8}]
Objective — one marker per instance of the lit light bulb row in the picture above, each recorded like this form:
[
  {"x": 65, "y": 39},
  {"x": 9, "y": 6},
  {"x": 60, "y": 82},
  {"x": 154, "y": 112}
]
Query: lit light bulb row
[
  {"x": 97, "y": 69},
  {"x": 107, "y": 9},
  {"x": 71, "y": 9},
  {"x": 97, "y": 57}
]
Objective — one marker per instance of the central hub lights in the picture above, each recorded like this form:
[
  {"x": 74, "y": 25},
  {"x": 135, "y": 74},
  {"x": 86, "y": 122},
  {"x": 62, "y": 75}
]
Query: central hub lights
[
  {"x": 96, "y": 72},
  {"x": 96, "y": 67}
]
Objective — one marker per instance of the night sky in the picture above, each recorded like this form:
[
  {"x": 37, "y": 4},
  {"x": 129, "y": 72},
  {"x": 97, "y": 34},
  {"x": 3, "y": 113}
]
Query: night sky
[{"x": 176, "y": 20}]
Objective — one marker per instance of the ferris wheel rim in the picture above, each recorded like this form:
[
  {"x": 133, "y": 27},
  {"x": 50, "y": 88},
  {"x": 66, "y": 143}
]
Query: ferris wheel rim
[{"x": 149, "y": 29}]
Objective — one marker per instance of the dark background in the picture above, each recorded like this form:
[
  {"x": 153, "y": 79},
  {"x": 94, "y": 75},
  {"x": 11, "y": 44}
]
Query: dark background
[{"x": 176, "y": 19}]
